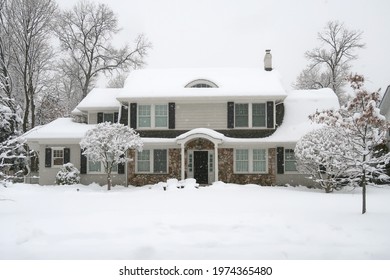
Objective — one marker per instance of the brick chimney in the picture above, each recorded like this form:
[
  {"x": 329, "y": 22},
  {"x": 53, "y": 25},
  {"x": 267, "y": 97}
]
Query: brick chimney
[{"x": 268, "y": 60}]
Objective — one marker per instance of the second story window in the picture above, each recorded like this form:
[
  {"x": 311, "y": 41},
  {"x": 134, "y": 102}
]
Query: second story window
[
  {"x": 250, "y": 115},
  {"x": 144, "y": 116},
  {"x": 242, "y": 113},
  {"x": 153, "y": 116}
]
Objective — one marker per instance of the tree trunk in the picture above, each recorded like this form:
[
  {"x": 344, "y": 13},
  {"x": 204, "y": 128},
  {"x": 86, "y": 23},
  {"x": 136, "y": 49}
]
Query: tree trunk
[
  {"x": 109, "y": 181},
  {"x": 364, "y": 193},
  {"x": 26, "y": 113}
]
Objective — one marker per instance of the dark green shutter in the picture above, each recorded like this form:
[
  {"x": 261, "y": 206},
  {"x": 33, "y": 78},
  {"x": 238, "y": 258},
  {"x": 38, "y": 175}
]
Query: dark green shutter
[
  {"x": 66, "y": 155},
  {"x": 124, "y": 115},
  {"x": 280, "y": 160},
  {"x": 121, "y": 166},
  {"x": 172, "y": 109},
  {"x": 48, "y": 157},
  {"x": 230, "y": 114},
  {"x": 133, "y": 115},
  {"x": 116, "y": 117},
  {"x": 270, "y": 114},
  {"x": 83, "y": 163},
  {"x": 99, "y": 117}
]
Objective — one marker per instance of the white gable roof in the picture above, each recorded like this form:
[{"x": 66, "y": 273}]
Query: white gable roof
[{"x": 171, "y": 83}]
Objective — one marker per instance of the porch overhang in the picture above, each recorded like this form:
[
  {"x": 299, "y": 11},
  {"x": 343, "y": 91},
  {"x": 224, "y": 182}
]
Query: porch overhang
[{"x": 204, "y": 133}]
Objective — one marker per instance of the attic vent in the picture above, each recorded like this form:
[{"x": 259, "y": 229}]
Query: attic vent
[{"x": 201, "y": 83}]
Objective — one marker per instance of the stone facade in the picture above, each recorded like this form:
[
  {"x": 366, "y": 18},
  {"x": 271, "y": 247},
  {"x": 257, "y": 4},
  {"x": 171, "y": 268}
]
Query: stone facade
[
  {"x": 174, "y": 163},
  {"x": 227, "y": 175}
]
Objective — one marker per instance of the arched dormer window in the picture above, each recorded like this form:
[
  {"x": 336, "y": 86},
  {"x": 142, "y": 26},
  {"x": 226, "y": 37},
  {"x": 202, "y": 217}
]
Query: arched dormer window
[{"x": 201, "y": 83}]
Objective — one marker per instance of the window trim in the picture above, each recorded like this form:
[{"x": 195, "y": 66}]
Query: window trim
[
  {"x": 151, "y": 162},
  {"x": 153, "y": 116},
  {"x": 53, "y": 150},
  {"x": 250, "y": 161},
  {"x": 250, "y": 115}
]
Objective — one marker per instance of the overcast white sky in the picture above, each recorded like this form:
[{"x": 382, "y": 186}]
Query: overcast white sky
[{"x": 235, "y": 33}]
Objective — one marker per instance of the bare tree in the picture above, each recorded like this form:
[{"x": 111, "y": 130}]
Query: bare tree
[
  {"x": 6, "y": 96},
  {"x": 30, "y": 22},
  {"x": 85, "y": 33},
  {"x": 118, "y": 81},
  {"x": 331, "y": 61}
]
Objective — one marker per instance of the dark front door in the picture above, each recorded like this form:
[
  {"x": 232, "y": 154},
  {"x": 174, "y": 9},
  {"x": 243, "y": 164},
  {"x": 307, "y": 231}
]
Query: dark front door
[{"x": 201, "y": 168}]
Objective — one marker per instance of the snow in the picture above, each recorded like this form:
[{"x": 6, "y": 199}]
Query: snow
[
  {"x": 298, "y": 105},
  {"x": 100, "y": 99},
  {"x": 61, "y": 129},
  {"x": 222, "y": 221},
  {"x": 171, "y": 83}
]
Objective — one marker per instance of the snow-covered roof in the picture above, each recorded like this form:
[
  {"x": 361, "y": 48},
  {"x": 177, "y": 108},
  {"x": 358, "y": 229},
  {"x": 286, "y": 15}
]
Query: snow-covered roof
[
  {"x": 298, "y": 105},
  {"x": 61, "y": 129},
  {"x": 171, "y": 83},
  {"x": 100, "y": 99}
]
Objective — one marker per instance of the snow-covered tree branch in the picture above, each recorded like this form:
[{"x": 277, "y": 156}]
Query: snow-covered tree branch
[
  {"x": 108, "y": 143},
  {"x": 360, "y": 123}
]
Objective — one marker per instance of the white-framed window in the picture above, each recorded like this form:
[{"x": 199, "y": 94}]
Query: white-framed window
[
  {"x": 290, "y": 162},
  {"x": 241, "y": 115},
  {"x": 108, "y": 117},
  {"x": 153, "y": 116},
  {"x": 250, "y": 161},
  {"x": 57, "y": 156},
  {"x": 249, "y": 115},
  {"x": 152, "y": 161},
  {"x": 161, "y": 116},
  {"x": 259, "y": 160}
]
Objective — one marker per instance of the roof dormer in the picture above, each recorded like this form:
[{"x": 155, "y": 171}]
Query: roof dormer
[{"x": 201, "y": 83}]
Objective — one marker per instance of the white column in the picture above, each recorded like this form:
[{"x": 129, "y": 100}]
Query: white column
[
  {"x": 182, "y": 162},
  {"x": 216, "y": 161}
]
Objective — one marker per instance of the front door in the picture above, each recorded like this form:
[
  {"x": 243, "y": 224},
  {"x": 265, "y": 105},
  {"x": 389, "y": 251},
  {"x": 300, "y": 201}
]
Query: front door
[{"x": 201, "y": 169}]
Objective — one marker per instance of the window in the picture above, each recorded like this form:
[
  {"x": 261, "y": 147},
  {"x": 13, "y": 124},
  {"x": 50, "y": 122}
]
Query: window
[
  {"x": 258, "y": 115},
  {"x": 251, "y": 161},
  {"x": 259, "y": 160},
  {"x": 250, "y": 115},
  {"x": 153, "y": 116},
  {"x": 201, "y": 83},
  {"x": 161, "y": 116},
  {"x": 108, "y": 117},
  {"x": 242, "y": 113},
  {"x": 58, "y": 156},
  {"x": 201, "y": 86},
  {"x": 152, "y": 161},
  {"x": 242, "y": 161},
  {"x": 144, "y": 116},
  {"x": 289, "y": 160}
]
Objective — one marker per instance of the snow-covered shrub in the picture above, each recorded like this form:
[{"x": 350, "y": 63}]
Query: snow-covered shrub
[
  {"x": 68, "y": 175},
  {"x": 323, "y": 154}
]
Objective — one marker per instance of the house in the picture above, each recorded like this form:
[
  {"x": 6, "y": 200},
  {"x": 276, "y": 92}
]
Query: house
[
  {"x": 234, "y": 125},
  {"x": 384, "y": 106}
]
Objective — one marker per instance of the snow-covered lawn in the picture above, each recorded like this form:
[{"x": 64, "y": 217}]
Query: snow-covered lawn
[{"x": 223, "y": 221}]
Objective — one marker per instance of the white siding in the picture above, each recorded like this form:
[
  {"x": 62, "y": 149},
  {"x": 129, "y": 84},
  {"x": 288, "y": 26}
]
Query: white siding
[
  {"x": 189, "y": 116},
  {"x": 92, "y": 118}
]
